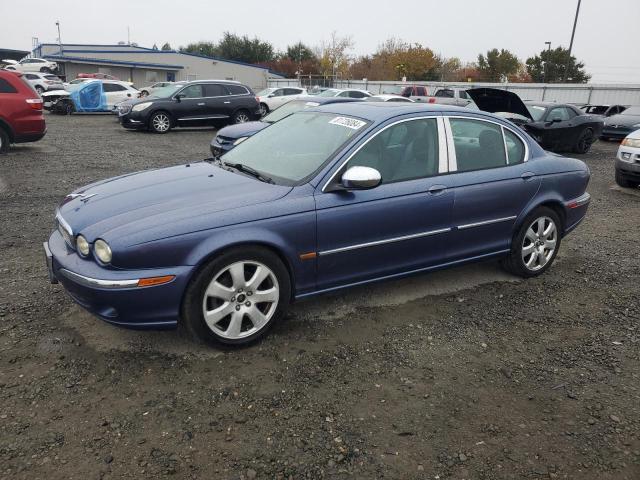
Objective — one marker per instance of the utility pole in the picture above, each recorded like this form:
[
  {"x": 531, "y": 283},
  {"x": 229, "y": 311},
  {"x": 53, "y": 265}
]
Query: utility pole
[
  {"x": 544, "y": 79},
  {"x": 59, "y": 36},
  {"x": 573, "y": 32}
]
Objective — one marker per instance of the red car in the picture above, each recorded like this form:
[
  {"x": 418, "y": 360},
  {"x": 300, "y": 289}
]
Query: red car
[
  {"x": 21, "y": 115},
  {"x": 102, "y": 76}
]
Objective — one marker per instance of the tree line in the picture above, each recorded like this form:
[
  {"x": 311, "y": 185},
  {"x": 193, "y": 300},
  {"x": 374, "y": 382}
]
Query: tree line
[{"x": 394, "y": 59}]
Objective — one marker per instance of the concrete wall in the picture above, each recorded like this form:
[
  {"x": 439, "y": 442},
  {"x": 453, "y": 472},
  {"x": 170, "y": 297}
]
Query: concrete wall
[{"x": 607, "y": 94}]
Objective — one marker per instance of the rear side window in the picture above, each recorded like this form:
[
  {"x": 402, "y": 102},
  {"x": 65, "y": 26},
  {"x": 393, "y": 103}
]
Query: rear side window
[
  {"x": 237, "y": 90},
  {"x": 478, "y": 144},
  {"x": 291, "y": 91},
  {"x": 445, "y": 92},
  {"x": 463, "y": 94},
  {"x": 421, "y": 92},
  {"x": 214, "y": 90},
  {"x": 515, "y": 147},
  {"x": 31, "y": 76},
  {"x": 356, "y": 94},
  {"x": 112, "y": 87},
  {"x": 6, "y": 87}
]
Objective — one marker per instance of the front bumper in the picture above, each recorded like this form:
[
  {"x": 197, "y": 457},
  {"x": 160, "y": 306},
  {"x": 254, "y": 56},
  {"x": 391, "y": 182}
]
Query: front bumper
[
  {"x": 113, "y": 295},
  {"x": 133, "y": 121},
  {"x": 630, "y": 170},
  {"x": 615, "y": 132},
  {"x": 219, "y": 148}
]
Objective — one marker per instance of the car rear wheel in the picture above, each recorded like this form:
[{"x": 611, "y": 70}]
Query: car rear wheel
[
  {"x": 624, "y": 182},
  {"x": 160, "y": 122},
  {"x": 237, "y": 297},
  {"x": 39, "y": 89},
  {"x": 4, "y": 141},
  {"x": 535, "y": 246},
  {"x": 241, "y": 116},
  {"x": 584, "y": 142},
  {"x": 144, "y": 93}
]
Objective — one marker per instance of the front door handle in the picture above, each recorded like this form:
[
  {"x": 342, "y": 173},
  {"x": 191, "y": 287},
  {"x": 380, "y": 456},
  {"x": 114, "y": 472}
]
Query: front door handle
[
  {"x": 527, "y": 175},
  {"x": 227, "y": 102},
  {"x": 201, "y": 104},
  {"x": 437, "y": 189}
]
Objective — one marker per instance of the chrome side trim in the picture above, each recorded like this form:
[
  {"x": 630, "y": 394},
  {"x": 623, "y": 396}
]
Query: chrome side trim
[
  {"x": 382, "y": 242},
  {"x": 486, "y": 222},
  {"x": 440, "y": 140},
  {"x": 96, "y": 282},
  {"x": 443, "y": 166},
  {"x": 211, "y": 117}
]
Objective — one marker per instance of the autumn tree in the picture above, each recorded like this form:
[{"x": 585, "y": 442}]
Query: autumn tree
[
  {"x": 497, "y": 65},
  {"x": 549, "y": 66},
  {"x": 334, "y": 55}
]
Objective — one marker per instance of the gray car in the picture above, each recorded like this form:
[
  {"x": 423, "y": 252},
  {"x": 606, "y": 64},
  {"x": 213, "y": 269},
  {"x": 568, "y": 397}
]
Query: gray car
[{"x": 621, "y": 125}]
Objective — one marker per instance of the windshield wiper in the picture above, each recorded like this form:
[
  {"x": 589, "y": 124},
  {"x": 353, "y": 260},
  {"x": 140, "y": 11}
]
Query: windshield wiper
[{"x": 251, "y": 171}]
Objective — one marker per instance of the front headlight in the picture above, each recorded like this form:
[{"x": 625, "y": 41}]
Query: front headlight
[
  {"x": 141, "y": 106},
  {"x": 631, "y": 142},
  {"x": 239, "y": 141},
  {"x": 103, "y": 251},
  {"x": 82, "y": 245}
]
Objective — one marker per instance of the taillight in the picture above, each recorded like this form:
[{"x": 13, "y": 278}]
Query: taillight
[
  {"x": 432, "y": 100},
  {"x": 258, "y": 99},
  {"x": 35, "y": 103}
]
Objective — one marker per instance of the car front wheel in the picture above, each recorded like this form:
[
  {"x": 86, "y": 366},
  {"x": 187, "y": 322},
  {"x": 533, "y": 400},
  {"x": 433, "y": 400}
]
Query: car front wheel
[
  {"x": 536, "y": 244},
  {"x": 237, "y": 297},
  {"x": 160, "y": 122},
  {"x": 624, "y": 182},
  {"x": 39, "y": 89}
]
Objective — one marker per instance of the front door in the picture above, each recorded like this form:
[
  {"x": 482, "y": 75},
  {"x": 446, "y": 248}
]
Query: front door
[
  {"x": 492, "y": 183},
  {"x": 190, "y": 108},
  {"x": 561, "y": 124},
  {"x": 399, "y": 226}
]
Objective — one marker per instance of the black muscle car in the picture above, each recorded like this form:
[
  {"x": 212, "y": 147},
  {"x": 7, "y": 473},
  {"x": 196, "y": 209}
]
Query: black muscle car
[{"x": 555, "y": 126}]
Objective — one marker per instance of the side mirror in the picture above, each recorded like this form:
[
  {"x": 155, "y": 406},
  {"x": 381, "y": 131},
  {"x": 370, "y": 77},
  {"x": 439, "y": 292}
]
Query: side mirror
[
  {"x": 179, "y": 97},
  {"x": 361, "y": 178},
  {"x": 271, "y": 95}
]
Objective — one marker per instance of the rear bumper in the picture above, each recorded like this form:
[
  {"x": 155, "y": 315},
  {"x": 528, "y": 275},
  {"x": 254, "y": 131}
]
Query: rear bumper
[
  {"x": 30, "y": 136},
  {"x": 576, "y": 211},
  {"x": 113, "y": 295}
]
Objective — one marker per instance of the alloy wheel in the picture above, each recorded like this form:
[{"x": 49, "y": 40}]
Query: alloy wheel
[
  {"x": 242, "y": 118},
  {"x": 160, "y": 122},
  {"x": 263, "y": 110},
  {"x": 539, "y": 243},
  {"x": 240, "y": 299}
]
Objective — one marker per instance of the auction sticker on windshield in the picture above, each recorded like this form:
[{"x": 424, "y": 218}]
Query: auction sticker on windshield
[{"x": 352, "y": 123}]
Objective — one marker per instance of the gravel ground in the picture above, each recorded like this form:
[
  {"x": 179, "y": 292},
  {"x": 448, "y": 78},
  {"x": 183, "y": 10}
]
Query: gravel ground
[{"x": 464, "y": 374}]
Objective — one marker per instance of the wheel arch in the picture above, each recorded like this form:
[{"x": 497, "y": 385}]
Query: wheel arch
[{"x": 553, "y": 203}]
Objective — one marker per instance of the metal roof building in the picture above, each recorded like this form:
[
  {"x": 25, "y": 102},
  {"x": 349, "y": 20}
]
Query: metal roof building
[{"x": 143, "y": 66}]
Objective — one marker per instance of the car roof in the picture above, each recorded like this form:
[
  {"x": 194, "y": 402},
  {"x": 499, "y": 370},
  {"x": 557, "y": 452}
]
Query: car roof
[
  {"x": 235, "y": 82},
  {"x": 380, "y": 111},
  {"x": 324, "y": 100}
]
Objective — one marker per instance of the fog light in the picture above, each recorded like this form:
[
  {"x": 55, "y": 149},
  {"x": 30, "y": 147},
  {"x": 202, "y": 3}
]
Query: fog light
[
  {"x": 82, "y": 245},
  {"x": 103, "y": 251}
]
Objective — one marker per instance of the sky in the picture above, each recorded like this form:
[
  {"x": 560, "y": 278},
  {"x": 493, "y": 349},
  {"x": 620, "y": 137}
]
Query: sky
[{"x": 606, "y": 37}]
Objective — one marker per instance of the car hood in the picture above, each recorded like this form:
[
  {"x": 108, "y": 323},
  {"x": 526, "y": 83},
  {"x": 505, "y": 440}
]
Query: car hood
[
  {"x": 156, "y": 204},
  {"x": 55, "y": 93},
  {"x": 495, "y": 100},
  {"x": 242, "y": 129},
  {"x": 622, "y": 119}
]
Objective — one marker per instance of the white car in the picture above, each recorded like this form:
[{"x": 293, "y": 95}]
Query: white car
[
  {"x": 31, "y": 65},
  {"x": 43, "y": 82},
  {"x": 347, "y": 92},
  {"x": 628, "y": 161},
  {"x": 388, "y": 98},
  {"x": 272, "y": 98},
  {"x": 115, "y": 91},
  {"x": 144, "y": 91}
]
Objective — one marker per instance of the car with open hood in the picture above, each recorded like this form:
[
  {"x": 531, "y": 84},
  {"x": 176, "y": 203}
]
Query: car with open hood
[
  {"x": 228, "y": 137},
  {"x": 555, "y": 126},
  {"x": 327, "y": 198}
]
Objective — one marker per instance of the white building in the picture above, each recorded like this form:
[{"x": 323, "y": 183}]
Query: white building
[{"x": 143, "y": 66}]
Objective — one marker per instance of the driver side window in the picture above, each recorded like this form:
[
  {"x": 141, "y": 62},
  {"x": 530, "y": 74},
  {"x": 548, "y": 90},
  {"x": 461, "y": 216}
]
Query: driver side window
[
  {"x": 558, "y": 113},
  {"x": 405, "y": 151},
  {"x": 192, "y": 91}
]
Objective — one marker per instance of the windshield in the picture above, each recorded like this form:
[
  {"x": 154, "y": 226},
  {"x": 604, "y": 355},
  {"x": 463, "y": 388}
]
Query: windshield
[
  {"x": 632, "y": 111},
  {"x": 536, "y": 111},
  {"x": 295, "y": 147},
  {"x": 332, "y": 92},
  {"x": 393, "y": 89},
  {"x": 265, "y": 92},
  {"x": 167, "y": 91},
  {"x": 287, "y": 109}
]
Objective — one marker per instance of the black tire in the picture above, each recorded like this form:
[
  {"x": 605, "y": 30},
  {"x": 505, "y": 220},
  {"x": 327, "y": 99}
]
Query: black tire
[
  {"x": 241, "y": 116},
  {"x": 143, "y": 93},
  {"x": 194, "y": 300},
  {"x": 624, "y": 182},
  {"x": 45, "y": 70},
  {"x": 39, "y": 89},
  {"x": 264, "y": 109},
  {"x": 514, "y": 262},
  {"x": 4, "y": 141},
  {"x": 584, "y": 142},
  {"x": 160, "y": 122}
]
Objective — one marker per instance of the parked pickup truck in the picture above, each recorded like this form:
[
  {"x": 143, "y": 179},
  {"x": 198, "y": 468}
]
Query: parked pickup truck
[
  {"x": 417, "y": 93},
  {"x": 450, "y": 96}
]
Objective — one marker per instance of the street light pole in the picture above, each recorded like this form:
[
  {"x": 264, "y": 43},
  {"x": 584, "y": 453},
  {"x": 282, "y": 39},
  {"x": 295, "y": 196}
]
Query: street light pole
[
  {"x": 573, "y": 32},
  {"x": 544, "y": 80},
  {"x": 59, "y": 36}
]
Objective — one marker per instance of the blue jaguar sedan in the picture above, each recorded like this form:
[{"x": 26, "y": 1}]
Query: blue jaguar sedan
[{"x": 327, "y": 198}]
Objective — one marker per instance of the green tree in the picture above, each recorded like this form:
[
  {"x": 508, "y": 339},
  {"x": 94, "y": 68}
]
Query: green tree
[
  {"x": 208, "y": 49},
  {"x": 549, "y": 66},
  {"x": 155, "y": 47},
  {"x": 166, "y": 46},
  {"x": 299, "y": 52},
  {"x": 497, "y": 65},
  {"x": 234, "y": 47}
]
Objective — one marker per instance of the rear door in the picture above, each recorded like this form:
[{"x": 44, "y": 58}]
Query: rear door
[
  {"x": 492, "y": 181},
  {"x": 218, "y": 104},
  {"x": 115, "y": 93}
]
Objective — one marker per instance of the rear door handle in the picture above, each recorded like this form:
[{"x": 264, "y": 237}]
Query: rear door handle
[
  {"x": 527, "y": 175},
  {"x": 437, "y": 189},
  {"x": 201, "y": 104},
  {"x": 227, "y": 102}
]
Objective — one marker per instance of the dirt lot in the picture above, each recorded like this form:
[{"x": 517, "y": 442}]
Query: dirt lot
[{"x": 464, "y": 374}]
